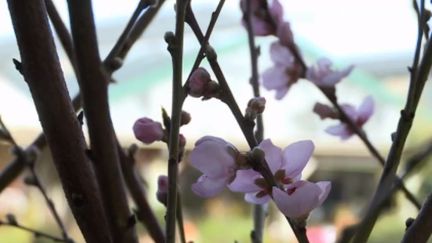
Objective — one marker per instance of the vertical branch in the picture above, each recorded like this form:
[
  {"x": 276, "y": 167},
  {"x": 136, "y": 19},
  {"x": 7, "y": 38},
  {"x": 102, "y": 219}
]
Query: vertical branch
[
  {"x": 42, "y": 72},
  {"x": 93, "y": 84},
  {"x": 421, "y": 229},
  {"x": 405, "y": 122},
  {"x": 259, "y": 211},
  {"x": 175, "y": 47}
]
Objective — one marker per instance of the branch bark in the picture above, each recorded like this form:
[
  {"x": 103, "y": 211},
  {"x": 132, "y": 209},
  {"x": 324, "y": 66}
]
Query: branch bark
[
  {"x": 44, "y": 77},
  {"x": 421, "y": 229},
  {"x": 94, "y": 88}
]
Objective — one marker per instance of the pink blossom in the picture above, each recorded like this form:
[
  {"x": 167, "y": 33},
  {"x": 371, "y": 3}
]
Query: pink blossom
[
  {"x": 322, "y": 75},
  {"x": 298, "y": 199},
  {"x": 148, "y": 131},
  {"x": 216, "y": 159},
  {"x": 285, "y": 72},
  {"x": 264, "y": 17},
  {"x": 162, "y": 190},
  {"x": 359, "y": 116},
  {"x": 286, "y": 165}
]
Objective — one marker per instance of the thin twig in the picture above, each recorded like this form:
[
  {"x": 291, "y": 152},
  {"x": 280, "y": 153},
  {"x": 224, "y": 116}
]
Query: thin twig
[
  {"x": 144, "y": 212},
  {"x": 132, "y": 33},
  {"x": 175, "y": 47},
  {"x": 259, "y": 211},
  {"x": 108, "y": 62},
  {"x": 393, "y": 159},
  {"x": 35, "y": 232}
]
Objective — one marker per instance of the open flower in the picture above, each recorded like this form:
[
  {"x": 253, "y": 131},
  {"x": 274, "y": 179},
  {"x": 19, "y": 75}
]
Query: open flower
[
  {"x": 264, "y": 17},
  {"x": 286, "y": 166},
  {"x": 323, "y": 76},
  {"x": 216, "y": 159},
  {"x": 148, "y": 131},
  {"x": 359, "y": 116},
  {"x": 285, "y": 72},
  {"x": 300, "y": 197}
]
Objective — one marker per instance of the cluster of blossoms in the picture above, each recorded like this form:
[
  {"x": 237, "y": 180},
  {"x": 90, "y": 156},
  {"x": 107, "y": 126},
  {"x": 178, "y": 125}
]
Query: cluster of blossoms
[{"x": 223, "y": 166}]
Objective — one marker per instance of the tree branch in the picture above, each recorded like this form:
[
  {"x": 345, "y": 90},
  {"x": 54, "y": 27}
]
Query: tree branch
[
  {"x": 42, "y": 72},
  {"x": 93, "y": 84}
]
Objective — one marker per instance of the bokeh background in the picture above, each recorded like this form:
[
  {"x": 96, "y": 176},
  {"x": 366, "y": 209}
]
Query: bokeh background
[{"x": 378, "y": 37}]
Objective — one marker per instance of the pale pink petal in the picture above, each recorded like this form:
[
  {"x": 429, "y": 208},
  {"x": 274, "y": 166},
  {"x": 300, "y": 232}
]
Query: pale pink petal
[
  {"x": 296, "y": 156},
  {"x": 252, "y": 198},
  {"x": 342, "y": 130},
  {"x": 280, "y": 93},
  {"x": 207, "y": 187},
  {"x": 276, "y": 11},
  {"x": 275, "y": 78},
  {"x": 303, "y": 199},
  {"x": 350, "y": 111},
  {"x": 325, "y": 187},
  {"x": 212, "y": 156},
  {"x": 336, "y": 76},
  {"x": 365, "y": 110},
  {"x": 245, "y": 181},
  {"x": 273, "y": 155},
  {"x": 281, "y": 54},
  {"x": 260, "y": 27}
]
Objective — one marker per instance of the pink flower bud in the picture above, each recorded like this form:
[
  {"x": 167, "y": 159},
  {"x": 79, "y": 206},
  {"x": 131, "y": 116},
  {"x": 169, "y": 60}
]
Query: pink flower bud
[
  {"x": 198, "y": 82},
  {"x": 162, "y": 191},
  {"x": 182, "y": 140},
  {"x": 255, "y": 107},
  {"x": 148, "y": 131},
  {"x": 185, "y": 118}
]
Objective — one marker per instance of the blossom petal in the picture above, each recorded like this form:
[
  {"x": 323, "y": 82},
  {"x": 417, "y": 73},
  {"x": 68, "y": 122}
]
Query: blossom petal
[
  {"x": 342, "y": 130},
  {"x": 252, "y": 198},
  {"x": 325, "y": 187},
  {"x": 208, "y": 187},
  {"x": 296, "y": 156},
  {"x": 273, "y": 155},
  {"x": 212, "y": 156},
  {"x": 245, "y": 181},
  {"x": 325, "y": 111},
  {"x": 275, "y": 78},
  {"x": 280, "y": 93},
  {"x": 336, "y": 76},
  {"x": 281, "y": 55},
  {"x": 350, "y": 111},
  {"x": 276, "y": 11},
  {"x": 300, "y": 202},
  {"x": 365, "y": 110}
]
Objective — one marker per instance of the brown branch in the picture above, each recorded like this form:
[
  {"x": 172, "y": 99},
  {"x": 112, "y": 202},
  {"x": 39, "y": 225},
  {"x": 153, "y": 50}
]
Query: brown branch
[
  {"x": 421, "y": 229},
  {"x": 42, "y": 72},
  {"x": 404, "y": 126},
  {"x": 138, "y": 194},
  {"x": 131, "y": 34},
  {"x": 93, "y": 85}
]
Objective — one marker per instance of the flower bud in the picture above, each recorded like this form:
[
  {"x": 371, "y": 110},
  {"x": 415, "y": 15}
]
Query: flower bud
[
  {"x": 162, "y": 191},
  {"x": 255, "y": 107},
  {"x": 198, "y": 82},
  {"x": 148, "y": 131},
  {"x": 185, "y": 118}
]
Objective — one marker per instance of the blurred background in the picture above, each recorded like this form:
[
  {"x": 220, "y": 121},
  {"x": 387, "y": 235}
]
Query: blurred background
[{"x": 377, "y": 37}]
